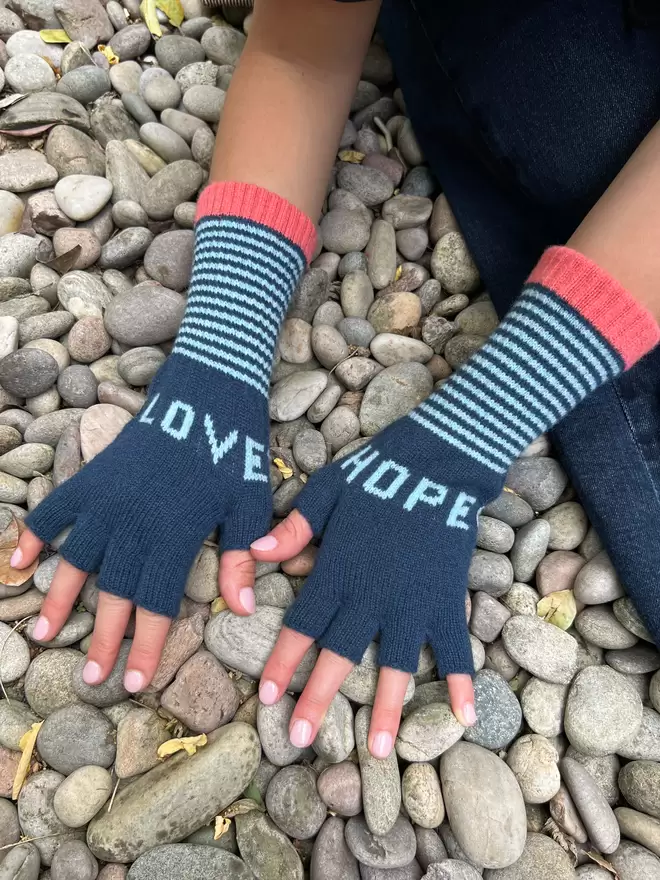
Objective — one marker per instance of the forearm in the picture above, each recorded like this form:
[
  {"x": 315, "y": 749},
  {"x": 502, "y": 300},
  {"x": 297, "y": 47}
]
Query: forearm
[{"x": 290, "y": 96}]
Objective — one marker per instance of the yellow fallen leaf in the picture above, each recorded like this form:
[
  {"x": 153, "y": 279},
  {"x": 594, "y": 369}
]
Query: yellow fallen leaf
[
  {"x": 12, "y": 577},
  {"x": 222, "y": 826},
  {"x": 241, "y": 807},
  {"x": 218, "y": 605},
  {"x": 353, "y": 156},
  {"x": 558, "y": 608},
  {"x": 112, "y": 57},
  {"x": 172, "y": 9},
  {"x": 283, "y": 468},
  {"x": 398, "y": 272},
  {"x": 26, "y": 743},
  {"x": 54, "y": 36},
  {"x": 188, "y": 743},
  {"x": 148, "y": 13}
]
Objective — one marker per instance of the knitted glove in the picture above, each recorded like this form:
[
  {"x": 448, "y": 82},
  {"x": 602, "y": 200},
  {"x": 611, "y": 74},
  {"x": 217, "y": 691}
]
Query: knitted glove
[
  {"x": 195, "y": 458},
  {"x": 400, "y": 515}
]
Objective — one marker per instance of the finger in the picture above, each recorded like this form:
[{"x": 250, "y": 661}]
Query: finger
[
  {"x": 290, "y": 648},
  {"x": 111, "y": 618},
  {"x": 67, "y": 583},
  {"x": 236, "y": 580},
  {"x": 461, "y": 697},
  {"x": 29, "y": 547},
  {"x": 150, "y": 634},
  {"x": 386, "y": 715},
  {"x": 324, "y": 682},
  {"x": 284, "y": 541}
]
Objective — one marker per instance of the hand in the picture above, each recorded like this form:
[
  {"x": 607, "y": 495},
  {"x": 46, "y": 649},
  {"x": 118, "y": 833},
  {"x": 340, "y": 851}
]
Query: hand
[
  {"x": 140, "y": 511},
  {"x": 404, "y": 577}
]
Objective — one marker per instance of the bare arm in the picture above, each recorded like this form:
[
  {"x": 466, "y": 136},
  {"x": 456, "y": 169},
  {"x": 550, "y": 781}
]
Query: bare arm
[{"x": 290, "y": 96}]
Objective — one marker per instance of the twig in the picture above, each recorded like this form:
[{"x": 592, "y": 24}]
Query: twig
[{"x": 112, "y": 799}]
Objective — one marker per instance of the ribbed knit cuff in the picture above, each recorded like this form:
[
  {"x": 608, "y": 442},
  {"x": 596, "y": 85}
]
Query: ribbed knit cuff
[
  {"x": 227, "y": 198},
  {"x": 628, "y": 327}
]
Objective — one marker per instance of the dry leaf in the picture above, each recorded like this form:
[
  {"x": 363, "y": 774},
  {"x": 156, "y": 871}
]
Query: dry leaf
[
  {"x": 66, "y": 261},
  {"x": 558, "y": 608},
  {"x": 148, "y": 13},
  {"x": 352, "y": 156},
  {"x": 54, "y": 36},
  {"x": 12, "y": 577},
  {"x": 112, "y": 56},
  {"x": 26, "y": 744},
  {"x": 222, "y": 826},
  {"x": 218, "y": 605},
  {"x": 599, "y": 860},
  {"x": 241, "y": 807},
  {"x": 188, "y": 743},
  {"x": 398, "y": 272},
  {"x": 283, "y": 468},
  {"x": 172, "y": 9}
]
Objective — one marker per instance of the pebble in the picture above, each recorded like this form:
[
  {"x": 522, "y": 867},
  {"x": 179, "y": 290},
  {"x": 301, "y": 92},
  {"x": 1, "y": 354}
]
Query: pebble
[
  {"x": 48, "y": 685},
  {"x": 99, "y": 426},
  {"x": 81, "y": 196},
  {"x": 293, "y": 802},
  {"x": 344, "y": 230},
  {"x": 490, "y": 572},
  {"x": 640, "y": 828},
  {"x": 203, "y": 695},
  {"x": 82, "y": 794},
  {"x": 511, "y": 509},
  {"x": 266, "y": 851},
  {"x": 543, "y": 705},
  {"x": 558, "y": 571},
  {"x": 533, "y": 760},
  {"x": 395, "y": 313},
  {"x": 293, "y": 395},
  {"x": 29, "y": 73},
  {"x": 340, "y": 788},
  {"x": 392, "y": 394},
  {"x": 542, "y": 859},
  {"x": 393, "y": 850},
  {"x": 597, "y": 581},
  {"x": 37, "y": 816},
  {"x": 529, "y": 548},
  {"x": 331, "y": 857},
  {"x": 381, "y": 784},
  {"x": 73, "y": 861},
  {"x": 14, "y": 654},
  {"x": 371, "y": 186},
  {"x": 599, "y": 820},
  {"x": 422, "y": 796},
  {"x": 632, "y": 861},
  {"x": 273, "y": 727},
  {"x": 381, "y": 254},
  {"x": 125, "y": 248},
  {"x": 74, "y": 736},
  {"x": 25, "y": 170},
  {"x": 539, "y": 480},
  {"x": 335, "y": 739},
  {"x": 541, "y": 648},
  {"x": 427, "y": 732},
  {"x": 178, "y": 182},
  {"x": 638, "y": 782},
  {"x": 602, "y": 711},
  {"x": 15, "y": 720},
  {"x": 499, "y": 715},
  {"x": 599, "y": 626},
  {"x": 626, "y": 613},
  {"x": 177, "y": 860},
  {"x": 488, "y": 617},
  {"x": 85, "y": 84},
  {"x": 139, "y": 734},
  {"x": 452, "y": 265},
  {"x": 21, "y": 863},
  {"x": 147, "y": 315},
  {"x": 130, "y": 42},
  {"x": 183, "y": 640}
]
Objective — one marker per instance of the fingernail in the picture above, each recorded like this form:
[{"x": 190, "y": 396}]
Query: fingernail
[
  {"x": 266, "y": 543},
  {"x": 268, "y": 693},
  {"x": 40, "y": 629},
  {"x": 469, "y": 714},
  {"x": 382, "y": 744},
  {"x": 92, "y": 672},
  {"x": 246, "y": 598},
  {"x": 16, "y": 557},
  {"x": 133, "y": 681},
  {"x": 301, "y": 734}
]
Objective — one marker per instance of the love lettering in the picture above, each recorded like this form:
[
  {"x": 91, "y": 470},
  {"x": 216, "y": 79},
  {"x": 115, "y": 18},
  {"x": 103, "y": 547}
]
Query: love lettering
[
  {"x": 387, "y": 478},
  {"x": 179, "y": 420}
]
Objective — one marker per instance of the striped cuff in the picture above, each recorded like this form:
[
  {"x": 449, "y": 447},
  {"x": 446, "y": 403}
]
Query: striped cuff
[
  {"x": 628, "y": 327},
  {"x": 250, "y": 202}
]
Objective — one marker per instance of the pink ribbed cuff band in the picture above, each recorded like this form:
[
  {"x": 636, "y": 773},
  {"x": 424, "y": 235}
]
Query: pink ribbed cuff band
[
  {"x": 255, "y": 203},
  {"x": 600, "y": 299}
]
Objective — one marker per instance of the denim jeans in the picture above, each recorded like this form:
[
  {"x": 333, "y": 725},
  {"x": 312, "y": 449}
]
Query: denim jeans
[{"x": 526, "y": 110}]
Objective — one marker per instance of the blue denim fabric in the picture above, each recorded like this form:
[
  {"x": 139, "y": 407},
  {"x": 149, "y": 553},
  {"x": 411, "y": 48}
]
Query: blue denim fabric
[{"x": 526, "y": 110}]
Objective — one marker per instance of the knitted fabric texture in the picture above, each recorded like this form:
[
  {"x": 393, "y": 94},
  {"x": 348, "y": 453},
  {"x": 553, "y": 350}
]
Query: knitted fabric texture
[
  {"x": 196, "y": 456},
  {"x": 413, "y": 494}
]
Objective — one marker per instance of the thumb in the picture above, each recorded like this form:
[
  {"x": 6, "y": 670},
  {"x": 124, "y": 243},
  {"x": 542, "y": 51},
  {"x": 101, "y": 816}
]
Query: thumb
[{"x": 287, "y": 539}]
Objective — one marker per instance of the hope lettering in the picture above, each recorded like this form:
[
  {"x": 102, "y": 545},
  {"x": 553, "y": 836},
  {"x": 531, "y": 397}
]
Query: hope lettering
[
  {"x": 389, "y": 477},
  {"x": 178, "y": 422}
]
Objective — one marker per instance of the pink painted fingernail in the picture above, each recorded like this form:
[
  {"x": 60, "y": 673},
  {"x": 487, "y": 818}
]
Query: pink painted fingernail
[
  {"x": 41, "y": 629},
  {"x": 268, "y": 692},
  {"x": 301, "y": 733},
  {"x": 469, "y": 714},
  {"x": 382, "y": 744},
  {"x": 133, "y": 681},
  {"x": 16, "y": 557},
  {"x": 266, "y": 543},
  {"x": 92, "y": 672},
  {"x": 246, "y": 597}
]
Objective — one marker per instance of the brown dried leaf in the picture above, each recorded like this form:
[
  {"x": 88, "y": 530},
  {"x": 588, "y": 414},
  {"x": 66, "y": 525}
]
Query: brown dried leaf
[
  {"x": 222, "y": 826},
  {"x": 599, "y": 860},
  {"x": 12, "y": 577},
  {"x": 26, "y": 743},
  {"x": 241, "y": 807},
  {"x": 66, "y": 261}
]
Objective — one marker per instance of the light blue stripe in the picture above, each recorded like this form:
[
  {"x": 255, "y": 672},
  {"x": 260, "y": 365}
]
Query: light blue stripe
[
  {"x": 520, "y": 372},
  {"x": 518, "y": 426},
  {"x": 228, "y": 267},
  {"x": 554, "y": 345},
  {"x": 226, "y": 336},
  {"x": 453, "y": 441},
  {"x": 218, "y": 285},
  {"x": 222, "y": 248},
  {"x": 577, "y": 325},
  {"x": 447, "y": 423},
  {"x": 269, "y": 339},
  {"x": 221, "y": 346},
  {"x": 220, "y": 314},
  {"x": 228, "y": 233},
  {"x": 468, "y": 377},
  {"x": 181, "y": 349},
  {"x": 481, "y": 370},
  {"x": 228, "y": 297},
  {"x": 439, "y": 406}
]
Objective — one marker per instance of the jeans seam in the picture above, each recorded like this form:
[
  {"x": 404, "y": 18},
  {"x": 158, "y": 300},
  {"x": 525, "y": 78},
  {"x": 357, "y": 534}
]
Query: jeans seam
[{"x": 633, "y": 434}]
